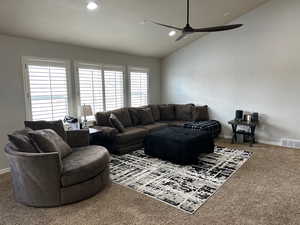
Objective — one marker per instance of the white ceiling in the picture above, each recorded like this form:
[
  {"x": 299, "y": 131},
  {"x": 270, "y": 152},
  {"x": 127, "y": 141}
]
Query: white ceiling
[{"x": 116, "y": 26}]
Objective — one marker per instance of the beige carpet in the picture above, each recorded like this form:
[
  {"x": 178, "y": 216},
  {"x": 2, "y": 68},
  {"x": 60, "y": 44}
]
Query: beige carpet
[{"x": 266, "y": 190}]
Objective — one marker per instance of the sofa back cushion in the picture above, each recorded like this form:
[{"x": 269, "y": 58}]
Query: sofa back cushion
[
  {"x": 184, "y": 112},
  {"x": 116, "y": 123},
  {"x": 167, "y": 112},
  {"x": 102, "y": 119},
  {"x": 22, "y": 141},
  {"x": 134, "y": 115},
  {"x": 56, "y": 125},
  {"x": 200, "y": 113},
  {"x": 124, "y": 116},
  {"x": 48, "y": 140},
  {"x": 155, "y": 112},
  {"x": 145, "y": 116}
]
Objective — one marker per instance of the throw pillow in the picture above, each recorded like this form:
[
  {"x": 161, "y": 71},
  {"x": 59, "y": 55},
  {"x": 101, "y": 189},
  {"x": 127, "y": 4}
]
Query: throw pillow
[
  {"x": 116, "y": 123},
  {"x": 184, "y": 112},
  {"x": 145, "y": 116},
  {"x": 134, "y": 116},
  {"x": 21, "y": 140},
  {"x": 124, "y": 116},
  {"x": 167, "y": 112},
  {"x": 102, "y": 119},
  {"x": 155, "y": 112},
  {"x": 48, "y": 140},
  {"x": 200, "y": 113},
  {"x": 56, "y": 125}
]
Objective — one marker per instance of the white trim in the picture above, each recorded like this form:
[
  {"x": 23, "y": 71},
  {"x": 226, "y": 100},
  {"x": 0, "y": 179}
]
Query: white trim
[
  {"x": 4, "y": 171},
  {"x": 53, "y": 61},
  {"x": 276, "y": 143},
  {"x": 138, "y": 69}
]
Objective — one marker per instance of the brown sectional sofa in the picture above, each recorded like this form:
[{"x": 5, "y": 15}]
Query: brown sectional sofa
[{"x": 137, "y": 127}]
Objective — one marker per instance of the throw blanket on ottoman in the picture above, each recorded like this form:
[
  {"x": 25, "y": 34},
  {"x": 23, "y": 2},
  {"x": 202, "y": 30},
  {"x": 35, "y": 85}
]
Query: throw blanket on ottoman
[{"x": 213, "y": 127}]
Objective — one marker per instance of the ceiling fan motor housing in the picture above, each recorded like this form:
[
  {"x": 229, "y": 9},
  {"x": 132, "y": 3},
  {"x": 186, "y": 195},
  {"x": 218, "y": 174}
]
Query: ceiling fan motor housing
[{"x": 188, "y": 29}]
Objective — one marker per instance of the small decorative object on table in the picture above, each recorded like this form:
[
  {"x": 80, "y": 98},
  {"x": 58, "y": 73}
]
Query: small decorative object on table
[
  {"x": 251, "y": 121},
  {"x": 86, "y": 110}
]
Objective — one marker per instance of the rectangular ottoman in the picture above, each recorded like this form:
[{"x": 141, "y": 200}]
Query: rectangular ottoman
[{"x": 178, "y": 145}]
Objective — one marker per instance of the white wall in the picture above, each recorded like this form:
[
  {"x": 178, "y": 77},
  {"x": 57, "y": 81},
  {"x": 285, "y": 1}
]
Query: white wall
[
  {"x": 256, "y": 68},
  {"x": 12, "y": 101}
]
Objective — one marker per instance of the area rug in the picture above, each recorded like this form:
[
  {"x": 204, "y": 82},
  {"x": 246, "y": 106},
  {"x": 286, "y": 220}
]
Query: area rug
[{"x": 183, "y": 187}]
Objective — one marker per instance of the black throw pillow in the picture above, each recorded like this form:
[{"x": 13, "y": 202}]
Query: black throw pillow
[
  {"x": 146, "y": 116},
  {"x": 116, "y": 123},
  {"x": 22, "y": 141}
]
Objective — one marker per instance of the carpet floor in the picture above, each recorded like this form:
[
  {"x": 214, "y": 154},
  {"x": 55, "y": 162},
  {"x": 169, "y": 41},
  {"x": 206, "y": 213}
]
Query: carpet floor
[{"x": 265, "y": 190}]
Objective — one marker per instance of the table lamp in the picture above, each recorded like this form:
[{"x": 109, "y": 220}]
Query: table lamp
[{"x": 86, "y": 110}]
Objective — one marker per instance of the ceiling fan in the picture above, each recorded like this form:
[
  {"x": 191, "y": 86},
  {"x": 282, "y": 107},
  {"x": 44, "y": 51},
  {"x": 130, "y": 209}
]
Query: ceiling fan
[{"x": 189, "y": 30}]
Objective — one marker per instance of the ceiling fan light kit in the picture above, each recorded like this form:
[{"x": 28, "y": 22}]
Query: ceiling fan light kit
[
  {"x": 190, "y": 30},
  {"x": 172, "y": 33}
]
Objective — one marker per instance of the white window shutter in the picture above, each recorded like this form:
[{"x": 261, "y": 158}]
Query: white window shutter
[
  {"x": 138, "y": 87},
  {"x": 47, "y": 89},
  {"x": 90, "y": 86},
  {"x": 114, "y": 87}
]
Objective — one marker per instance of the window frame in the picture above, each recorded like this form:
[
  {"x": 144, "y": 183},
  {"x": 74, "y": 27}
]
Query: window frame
[
  {"x": 102, "y": 67},
  {"x": 26, "y": 60},
  {"x": 137, "y": 69}
]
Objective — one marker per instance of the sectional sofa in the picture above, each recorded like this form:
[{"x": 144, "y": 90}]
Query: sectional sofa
[{"x": 137, "y": 123}]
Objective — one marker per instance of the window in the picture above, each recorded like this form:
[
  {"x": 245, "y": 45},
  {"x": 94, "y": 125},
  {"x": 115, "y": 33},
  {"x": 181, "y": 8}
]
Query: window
[
  {"x": 90, "y": 86},
  {"x": 46, "y": 86},
  {"x": 101, "y": 87},
  {"x": 138, "y": 86},
  {"x": 114, "y": 88}
]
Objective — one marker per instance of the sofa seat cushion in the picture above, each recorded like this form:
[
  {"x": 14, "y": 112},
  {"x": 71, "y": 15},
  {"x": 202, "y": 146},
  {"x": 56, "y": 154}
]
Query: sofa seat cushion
[
  {"x": 131, "y": 134},
  {"x": 175, "y": 123},
  {"x": 83, "y": 164},
  {"x": 154, "y": 126}
]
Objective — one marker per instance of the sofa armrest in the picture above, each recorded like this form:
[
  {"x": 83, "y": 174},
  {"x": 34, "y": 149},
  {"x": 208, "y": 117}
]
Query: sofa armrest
[
  {"x": 35, "y": 177},
  {"x": 78, "y": 138},
  {"x": 107, "y": 132}
]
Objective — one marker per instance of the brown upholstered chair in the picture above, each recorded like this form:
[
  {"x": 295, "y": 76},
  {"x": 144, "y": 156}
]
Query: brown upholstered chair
[{"x": 45, "y": 180}]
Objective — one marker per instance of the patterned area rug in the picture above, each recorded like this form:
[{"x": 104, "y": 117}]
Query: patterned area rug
[{"x": 184, "y": 187}]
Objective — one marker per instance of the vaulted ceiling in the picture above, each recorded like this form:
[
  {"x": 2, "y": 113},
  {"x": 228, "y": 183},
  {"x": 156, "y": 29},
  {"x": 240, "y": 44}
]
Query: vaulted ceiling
[{"x": 117, "y": 24}]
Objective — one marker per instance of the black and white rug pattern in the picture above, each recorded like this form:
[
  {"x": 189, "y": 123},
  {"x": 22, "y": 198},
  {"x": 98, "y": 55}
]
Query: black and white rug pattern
[{"x": 184, "y": 187}]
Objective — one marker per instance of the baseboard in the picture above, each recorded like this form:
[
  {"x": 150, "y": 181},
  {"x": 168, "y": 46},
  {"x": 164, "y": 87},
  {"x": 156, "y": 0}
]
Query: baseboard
[
  {"x": 258, "y": 141},
  {"x": 3, "y": 171}
]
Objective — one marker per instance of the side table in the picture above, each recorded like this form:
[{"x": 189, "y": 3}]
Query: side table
[
  {"x": 251, "y": 134},
  {"x": 94, "y": 133}
]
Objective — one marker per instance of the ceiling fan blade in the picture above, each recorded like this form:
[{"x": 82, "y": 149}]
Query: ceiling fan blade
[
  {"x": 183, "y": 35},
  {"x": 165, "y": 25},
  {"x": 218, "y": 28}
]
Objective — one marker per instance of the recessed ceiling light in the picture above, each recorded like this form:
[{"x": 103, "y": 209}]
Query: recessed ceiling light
[
  {"x": 92, "y": 5},
  {"x": 172, "y": 33}
]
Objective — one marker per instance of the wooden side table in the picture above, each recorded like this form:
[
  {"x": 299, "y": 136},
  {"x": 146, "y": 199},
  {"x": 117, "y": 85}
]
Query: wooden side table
[
  {"x": 93, "y": 136},
  {"x": 252, "y": 125}
]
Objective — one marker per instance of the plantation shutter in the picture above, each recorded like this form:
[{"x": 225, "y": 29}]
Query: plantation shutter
[
  {"x": 47, "y": 89},
  {"x": 91, "y": 86},
  {"x": 138, "y": 87},
  {"x": 114, "y": 87}
]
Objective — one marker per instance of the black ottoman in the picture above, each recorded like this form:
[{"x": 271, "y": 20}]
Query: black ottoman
[{"x": 178, "y": 145}]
